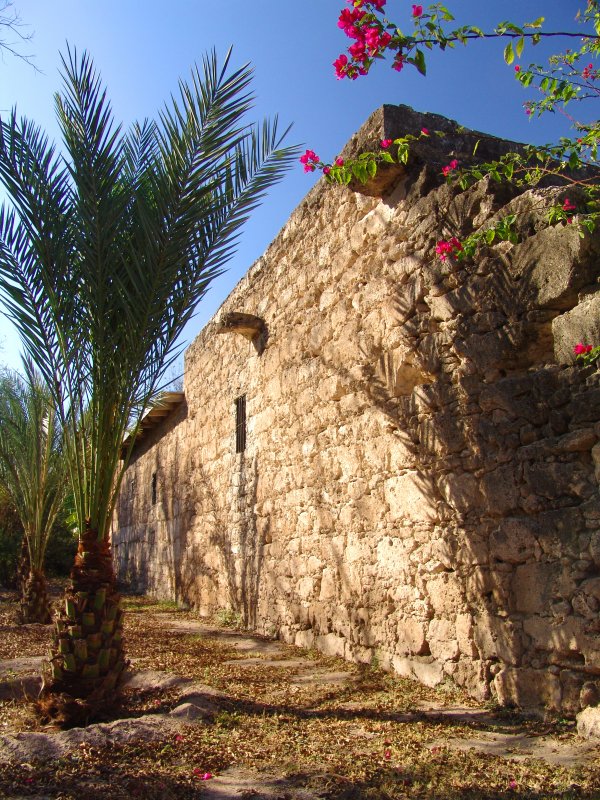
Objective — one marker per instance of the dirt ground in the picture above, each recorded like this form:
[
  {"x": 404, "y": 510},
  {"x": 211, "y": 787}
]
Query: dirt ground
[{"x": 211, "y": 712}]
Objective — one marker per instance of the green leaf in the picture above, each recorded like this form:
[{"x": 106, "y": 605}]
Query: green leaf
[
  {"x": 509, "y": 55},
  {"x": 403, "y": 152},
  {"x": 519, "y": 45},
  {"x": 536, "y": 23},
  {"x": 419, "y": 61}
]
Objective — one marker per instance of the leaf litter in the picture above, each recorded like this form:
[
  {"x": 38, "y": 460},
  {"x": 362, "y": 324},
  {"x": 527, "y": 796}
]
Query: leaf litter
[{"x": 373, "y": 736}]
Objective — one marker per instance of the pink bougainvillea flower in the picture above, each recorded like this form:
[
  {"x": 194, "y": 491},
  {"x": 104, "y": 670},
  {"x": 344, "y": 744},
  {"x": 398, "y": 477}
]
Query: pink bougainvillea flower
[
  {"x": 517, "y": 68},
  {"x": 512, "y": 784},
  {"x": 358, "y": 51},
  {"x": 379, "y": 4},
  {"x": 581, "y": 349},
  {"x": 445, "y": 248},
  {"x": 326, "y": 170},
  {"x": 398, "y": 64},
  {"x": 179, "y": 738},
  {"x": 339, "y": 162},
  {"x": 385, "y": 143},
  {"x": 348, "y": 19},
  {"x": 310, "y": 155},
  {"x": 417, "y": 11},
  {"x": 341, "y": 66},
  {"x": 568, "y": 205},
  {"x": 425, "y": 131},
  {"x": 387, "y": 754},
  {"x": 204, "y": 776},
  {"x": 449, "y": 167}
]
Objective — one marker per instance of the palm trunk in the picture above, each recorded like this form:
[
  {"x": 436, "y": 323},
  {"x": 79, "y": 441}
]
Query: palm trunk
[
  {"x": 23, "y": 567},
  {"x": 87, "y": 661},
  {"x": 35, "y": 605}
]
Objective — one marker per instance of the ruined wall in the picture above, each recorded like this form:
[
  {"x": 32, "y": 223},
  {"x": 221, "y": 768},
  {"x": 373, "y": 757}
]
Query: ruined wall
[{"x": 420, "y": 480}]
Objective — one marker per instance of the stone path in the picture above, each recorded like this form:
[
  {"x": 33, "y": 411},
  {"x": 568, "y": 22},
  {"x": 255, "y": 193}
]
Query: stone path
[{"x": 198, "y": 702}]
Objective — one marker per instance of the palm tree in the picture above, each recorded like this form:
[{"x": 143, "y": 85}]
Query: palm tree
[
  {"x": 33, "y": 473},
  {"x": 104, "y": 254}
]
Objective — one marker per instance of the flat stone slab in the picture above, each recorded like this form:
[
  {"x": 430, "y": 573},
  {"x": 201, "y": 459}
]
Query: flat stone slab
[
  {"x": 321, "y": 678},
  {"x": 289, "y": 663},
  {"x": 196, "y": 704},
  {"x": 13, "y": 667},
  {"x": 52, "y": 745},
  {"x": 20, "y": 677},
  {"x": 238, "y": 639},
  {"x": 519, "y": 747},
  {"x": 235, "y": 783},
  {"x": 150, "y": 680}
]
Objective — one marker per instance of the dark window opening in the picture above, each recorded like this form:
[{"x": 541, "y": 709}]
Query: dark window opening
[
  {"x": 154, "y": 488},
  {"x": 240, "y": 424}
]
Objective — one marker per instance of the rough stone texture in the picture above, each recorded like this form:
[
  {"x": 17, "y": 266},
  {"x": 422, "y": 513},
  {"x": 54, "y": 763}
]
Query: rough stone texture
[
  {"x": 588, "y": 723},
  {"x": 420, "y": 480}
]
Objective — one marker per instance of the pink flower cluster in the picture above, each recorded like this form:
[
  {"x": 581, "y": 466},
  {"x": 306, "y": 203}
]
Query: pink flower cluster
[
  {"x": 370, "y": 40},
  {"x": 581, "y": 349},
  {"x": 450, "y": 168},
  {"x": 450, "y": 247},
  {"x": 589, "y": 73},
  {"x": 310, "y": 160},
  {"x": 417, "y": 11},
  {"x": 569, "y": 208},
  {"x": 398, "y": 64}
]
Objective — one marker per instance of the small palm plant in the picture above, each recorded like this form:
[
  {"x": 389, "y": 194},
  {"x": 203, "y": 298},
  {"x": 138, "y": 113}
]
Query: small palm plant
[
  {"x": 33, "y": 473},
  {"x": 105, "y": 252}
]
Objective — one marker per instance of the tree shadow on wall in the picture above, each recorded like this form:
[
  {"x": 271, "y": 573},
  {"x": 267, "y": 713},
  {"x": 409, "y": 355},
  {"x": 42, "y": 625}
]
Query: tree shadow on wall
[
  {"x": 179, "y": 500},
  {"x": 235, "y": 534},
  {"x": 464, "y": 399}
]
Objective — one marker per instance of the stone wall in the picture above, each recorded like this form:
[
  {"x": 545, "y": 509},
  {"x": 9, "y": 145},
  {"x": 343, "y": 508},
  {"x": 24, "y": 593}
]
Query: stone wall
[{"x": 420, "y": 481}]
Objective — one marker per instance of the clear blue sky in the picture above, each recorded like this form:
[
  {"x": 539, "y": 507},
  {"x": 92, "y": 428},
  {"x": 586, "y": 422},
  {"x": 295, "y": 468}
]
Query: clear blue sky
[{"x": 141, "y": 47}]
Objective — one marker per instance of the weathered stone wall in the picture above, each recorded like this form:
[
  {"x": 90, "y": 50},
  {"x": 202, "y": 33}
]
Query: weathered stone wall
[{"x": 420, "y": 481}]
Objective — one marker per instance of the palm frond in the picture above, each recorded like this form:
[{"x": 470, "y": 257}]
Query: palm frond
[{"x": 106, "y": 251}]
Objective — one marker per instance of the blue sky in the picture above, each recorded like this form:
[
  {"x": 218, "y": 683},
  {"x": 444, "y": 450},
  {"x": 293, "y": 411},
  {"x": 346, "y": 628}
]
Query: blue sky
[{"x": 142, "y": 47}]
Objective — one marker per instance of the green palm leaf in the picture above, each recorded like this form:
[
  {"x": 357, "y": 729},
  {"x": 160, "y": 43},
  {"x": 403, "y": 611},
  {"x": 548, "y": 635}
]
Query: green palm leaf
[{"x": 107, "y": 248}]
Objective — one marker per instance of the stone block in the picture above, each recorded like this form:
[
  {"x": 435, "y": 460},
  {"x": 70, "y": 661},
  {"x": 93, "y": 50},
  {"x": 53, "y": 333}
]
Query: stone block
[
  {"x": 553, "y": 265},
  {"x": 411, "y": 496},
  {"x": 330, "y": 644},
  {"x": 528, "y": 688},
  {"x": 461, "y": 492},
  {"x": 579, "y": 324},
  {"x": 497, "y": 637},
  {"x": 428, "y": 671},
  {"x": 588, "y": 723},
  {"x": 464, "y": 635},
  {"x": 533, "y": 587},
  {"x": 555, "y": 479},
  {"x": 515, "y": 540},
  {"x": 441, "y": 636},
  {"x": 402, "y": 666},
  {"x": 560, "y": 638},
  {"x": 499, "y": 489},
  {"x": 328, "y": 585},
  {"x": 411, "y": 639}
]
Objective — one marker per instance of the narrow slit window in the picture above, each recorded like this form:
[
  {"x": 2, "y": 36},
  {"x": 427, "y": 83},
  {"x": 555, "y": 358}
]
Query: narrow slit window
[
  {"x": 154, "y": 488},
  {"x": 240, "y": 424}
]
